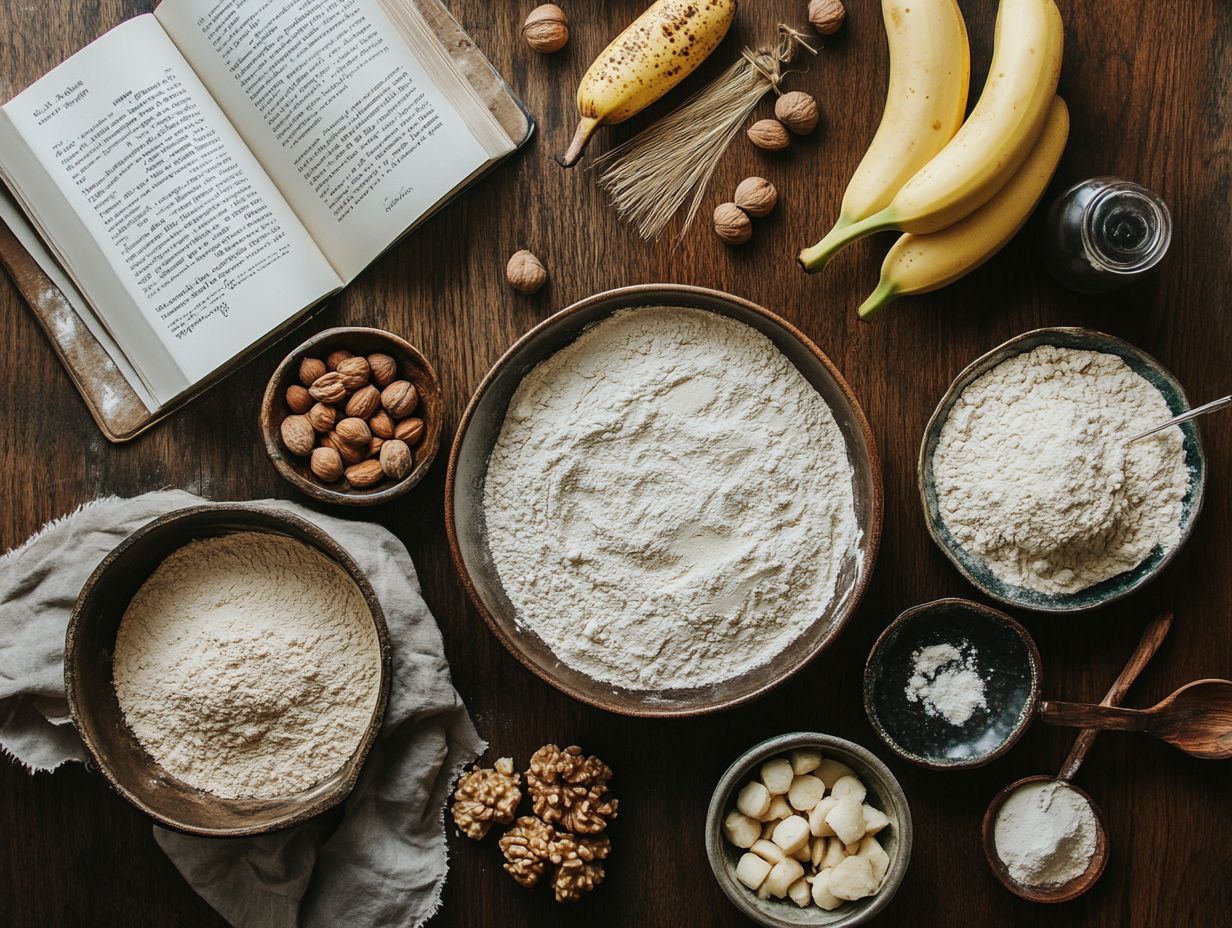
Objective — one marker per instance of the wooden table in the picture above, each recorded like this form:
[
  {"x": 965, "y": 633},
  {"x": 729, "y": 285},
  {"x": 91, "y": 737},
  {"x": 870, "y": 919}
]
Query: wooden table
[{"x": 1148, "y": 90}]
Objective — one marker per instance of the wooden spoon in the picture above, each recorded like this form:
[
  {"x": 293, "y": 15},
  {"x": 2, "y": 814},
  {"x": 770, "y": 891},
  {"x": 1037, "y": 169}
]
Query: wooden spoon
[
  {"x": 1197, "y": 718},
  {"x": 1152, "y": 638}
]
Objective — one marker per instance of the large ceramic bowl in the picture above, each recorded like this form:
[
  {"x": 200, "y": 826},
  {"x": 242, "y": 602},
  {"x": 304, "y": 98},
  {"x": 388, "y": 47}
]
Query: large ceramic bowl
[
  {"x": 90, "y": 643},
  {"x": 884, "y": 793},
  {"x": 478, "y": 431},
  {"x": 1114, "y": 588}
]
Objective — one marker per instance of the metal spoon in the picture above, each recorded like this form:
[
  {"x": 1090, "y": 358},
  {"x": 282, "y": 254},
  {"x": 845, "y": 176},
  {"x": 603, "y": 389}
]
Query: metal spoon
[
  {"x": 1184, "y": 417},
  {"x": 1197, "y": 718},
  {"x": 1152, "y": 638}
]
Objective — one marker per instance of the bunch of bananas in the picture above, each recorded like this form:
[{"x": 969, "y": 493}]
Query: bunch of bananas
[{"x": 959, "y": 190}]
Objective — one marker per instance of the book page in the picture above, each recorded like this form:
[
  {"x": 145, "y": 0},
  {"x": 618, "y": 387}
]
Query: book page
[
  {"x": 131, "y": 161},
  {"x": 350, "y": 125}
]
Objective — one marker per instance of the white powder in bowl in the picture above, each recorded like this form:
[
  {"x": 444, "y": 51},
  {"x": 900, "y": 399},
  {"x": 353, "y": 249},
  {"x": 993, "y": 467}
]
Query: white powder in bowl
[
  {"x": 669, "y": 501},
  {"x": 1034, "y": 477},
  {"x": 1045, "y": 833},
  {"x": 946, "y": 680},
  {"x": 248, "y": 665}
]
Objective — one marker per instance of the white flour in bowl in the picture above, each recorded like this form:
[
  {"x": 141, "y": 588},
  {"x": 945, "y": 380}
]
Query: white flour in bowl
[
  {"x": 1033, "y": 475},
  {"x": 248, "y": 665},
  {"x": 669, "y": 501}
]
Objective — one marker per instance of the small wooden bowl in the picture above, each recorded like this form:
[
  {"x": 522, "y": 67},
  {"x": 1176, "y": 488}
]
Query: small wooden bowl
[
  {"x": 361, "y": 340},
  {"x": 885, "y": 793},
  {"x": 1066, "y": 891},
  {"x": 115, "y": 750}
]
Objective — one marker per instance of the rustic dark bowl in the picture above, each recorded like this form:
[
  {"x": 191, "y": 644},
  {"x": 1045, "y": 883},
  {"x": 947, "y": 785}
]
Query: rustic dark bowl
[
  {"x": 1065, "y": 891},
  {"x": 1114, "y": 588},
  {"x": 96, "y": 713},
  {"x": 412, "y": 366},
  {"x": 885, "y": 793},
  {"x": 481, "y": 424},
  {"x": 1009, "y": 663}
]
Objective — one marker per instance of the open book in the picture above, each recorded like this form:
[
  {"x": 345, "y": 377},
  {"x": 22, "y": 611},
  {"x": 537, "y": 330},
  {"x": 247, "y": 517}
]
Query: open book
[{"x": 198, "y": 178}]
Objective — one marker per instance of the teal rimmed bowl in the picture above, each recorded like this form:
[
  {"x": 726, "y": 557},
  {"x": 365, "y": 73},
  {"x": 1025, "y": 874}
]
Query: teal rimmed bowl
[{"x": 1114, "y": 588}]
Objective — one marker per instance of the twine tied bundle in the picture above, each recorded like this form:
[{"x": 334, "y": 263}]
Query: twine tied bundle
[{"x": 649, "y": 177}]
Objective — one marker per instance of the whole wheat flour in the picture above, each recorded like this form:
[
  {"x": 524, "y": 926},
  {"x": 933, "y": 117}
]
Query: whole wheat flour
[
  {"x": 1033, "y": 475},
  {"x": 248, "y": 665},
  {"x": 669, "y": 500}
]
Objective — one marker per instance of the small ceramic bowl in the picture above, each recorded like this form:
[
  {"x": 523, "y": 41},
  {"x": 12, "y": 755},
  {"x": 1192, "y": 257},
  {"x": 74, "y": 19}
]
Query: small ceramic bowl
[
  {"x": 1114, "y": 588},
  {"x": 481, "y": 426},
  {"x": 1003, "y": 655},
  {"x": 95, "y": 710},
  {"x": 412, "y": 366},
  {"x": 884, "y": 793}
]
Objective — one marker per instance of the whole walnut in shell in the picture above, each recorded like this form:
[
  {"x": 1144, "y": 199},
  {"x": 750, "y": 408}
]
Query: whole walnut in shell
[
  {"x": 827, "y": 15},
  {"x": 579, "y": 862},
  {"x": 546, "y": 29},
  {"x": 797, "y": 111},
  {"x": 732, "y": 224},
  {"x": 570, "y": 790},
  {"x": 485, "y": 797},
  {"x": 525, "y": 847},
  {"x": 768, "y": 134},
  {"x": 756, "y": 196}
]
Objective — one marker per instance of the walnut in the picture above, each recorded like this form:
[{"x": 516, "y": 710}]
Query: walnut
[
  {"x": 579, "y": 864},
  {"x": 570, "y": 790},
  {"x": 797, "y": 111},
  {"x": 485, "y": 796},
  {"x": 546, "y": 29},
  {"x": 756, "y": 196},
  {"x": 769, "y": 134},
  {"x": 732, "y": 224},
  {"x": 525, "y": 272},
  {"x": 827, "y": 15},
  {"x": 525, "y": 847}
]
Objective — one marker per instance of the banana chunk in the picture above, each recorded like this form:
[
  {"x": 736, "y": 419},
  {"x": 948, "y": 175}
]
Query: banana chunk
[
  {"x": 777, "y": 775},
  {"x": 804, "y": 760},
  {"x": 835, "y": 852},
  {"x": 753, "y": 800},
  {"x": 852, "y": 879},
  {"x": 752, "y": 871},
  {"x": 800, "y": 893},
  {"x": 822, "y": 896},
  {"x": 805, "y": 792},
  {"x": 848, "y": 788},
  {"x": 741, "y": 830},
  {"x": 874, "y": 820},
  {"x": 847, "y": 820},
  {"x": 768, "y": 851},
  {"x": 791, "y": 833},
  {"x": 831, "y": 771},
  {"x": 786, "y": 872},
  {"x": 874, "y": 853},
  {"x": 817, "y": 818},
  {"x": 779, "y": 808}
]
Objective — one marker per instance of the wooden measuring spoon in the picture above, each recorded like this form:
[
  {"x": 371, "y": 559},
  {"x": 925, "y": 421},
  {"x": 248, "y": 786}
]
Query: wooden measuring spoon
[
  {"x": 1197, "y": 718},
  {"x": 1152, "y": 638}
]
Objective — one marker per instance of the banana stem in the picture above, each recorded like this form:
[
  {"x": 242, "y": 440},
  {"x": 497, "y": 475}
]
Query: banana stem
[
  {"x": 886, "y": 292},
  {"x": 586, "y": 128},
  {"x": 816, "y": 257}
]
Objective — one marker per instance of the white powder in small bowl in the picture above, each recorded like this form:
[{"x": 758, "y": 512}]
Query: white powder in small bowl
[
  {"x": 1045, "y": 833},
  {"x": 248, "y": 665},
  {"x": 946, "y": 680}
]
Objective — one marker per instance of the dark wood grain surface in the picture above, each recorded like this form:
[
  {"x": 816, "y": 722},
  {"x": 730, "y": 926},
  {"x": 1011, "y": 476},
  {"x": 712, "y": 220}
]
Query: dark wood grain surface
[{"x": 1148, "y": 90}]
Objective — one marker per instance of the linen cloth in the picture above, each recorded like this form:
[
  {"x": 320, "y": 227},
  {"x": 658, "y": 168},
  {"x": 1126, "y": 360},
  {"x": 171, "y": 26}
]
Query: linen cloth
[{"x": 384, "y": 862}]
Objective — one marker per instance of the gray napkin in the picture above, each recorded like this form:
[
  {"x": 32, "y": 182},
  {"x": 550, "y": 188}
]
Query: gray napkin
[{"x": 384, "y": 863}]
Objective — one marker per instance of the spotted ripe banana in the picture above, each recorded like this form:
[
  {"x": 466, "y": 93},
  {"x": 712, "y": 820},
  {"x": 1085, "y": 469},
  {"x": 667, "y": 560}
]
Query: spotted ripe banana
[
  {"x": 991, "y": 145},
  {"x": 656, "y": 52},
  {"x": 930, "y": 70},
  {"x": 922, "y": 263}
]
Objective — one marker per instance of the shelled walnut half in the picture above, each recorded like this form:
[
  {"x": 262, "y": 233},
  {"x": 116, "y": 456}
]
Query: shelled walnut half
[
  {"x": 579, "y": 862},
  {"x": 486, "y": 796},
  {"x": 570, "y": 790}
]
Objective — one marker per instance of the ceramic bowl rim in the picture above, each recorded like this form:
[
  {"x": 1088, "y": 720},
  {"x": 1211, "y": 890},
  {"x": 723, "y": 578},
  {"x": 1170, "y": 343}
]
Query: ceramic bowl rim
[
  {"x": 1019, "y": 597},
  {"x": 742, "y": 766},
  {"x": 622, "y": 295},
  {"x": 1026, "y": 716},
  {"x": 329, "y": 493},
  {"x": 339, "y": 555}
]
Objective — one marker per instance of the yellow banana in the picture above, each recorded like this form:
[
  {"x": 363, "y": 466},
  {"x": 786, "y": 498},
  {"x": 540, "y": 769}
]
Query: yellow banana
[
  {"x": 992, "y": 143},
  {"x": 930, "y": 70},
  {"x": 658, "y": 50},
  {"x": 921, "y": 263}
]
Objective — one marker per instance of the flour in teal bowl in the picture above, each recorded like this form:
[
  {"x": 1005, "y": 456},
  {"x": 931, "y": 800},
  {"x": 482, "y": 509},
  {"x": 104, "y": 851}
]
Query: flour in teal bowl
[{"x": 1034, "y": 478}]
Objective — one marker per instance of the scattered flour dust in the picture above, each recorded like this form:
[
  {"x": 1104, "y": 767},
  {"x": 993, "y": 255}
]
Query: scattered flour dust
[
  {"x": 1034, "y": 477},
  {"x": 669, "y": 501},
  {"x": 248, "y": 665},
  {"x": 946, "y": 679}
]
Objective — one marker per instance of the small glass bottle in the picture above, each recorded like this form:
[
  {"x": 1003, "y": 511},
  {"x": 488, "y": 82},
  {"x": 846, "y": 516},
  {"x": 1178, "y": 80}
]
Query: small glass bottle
[{"x": 1105, "y": 233}]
